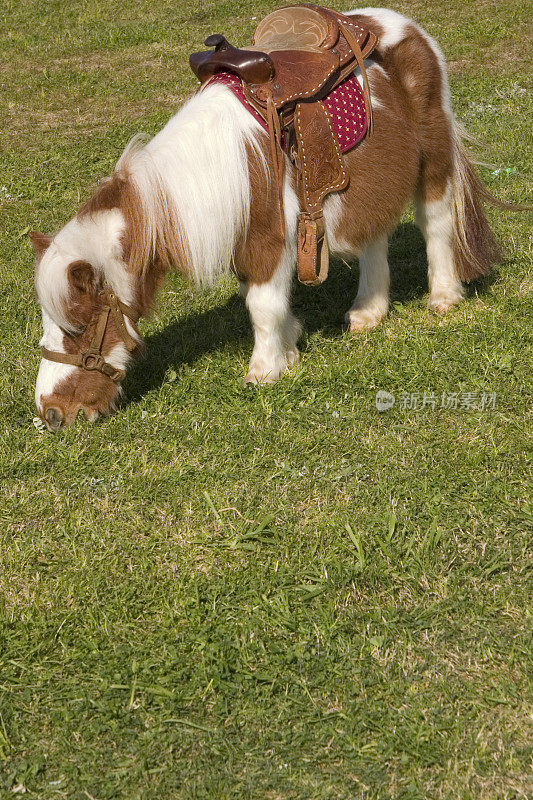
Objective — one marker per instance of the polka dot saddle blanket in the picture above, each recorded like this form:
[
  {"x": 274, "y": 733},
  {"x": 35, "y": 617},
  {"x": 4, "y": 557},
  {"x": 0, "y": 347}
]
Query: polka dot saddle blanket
[{"x": 345, "y": 104}]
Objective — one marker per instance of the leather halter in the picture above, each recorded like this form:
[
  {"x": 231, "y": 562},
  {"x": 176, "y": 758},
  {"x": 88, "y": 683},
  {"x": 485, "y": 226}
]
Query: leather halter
[{"x": 92, "y": 358}]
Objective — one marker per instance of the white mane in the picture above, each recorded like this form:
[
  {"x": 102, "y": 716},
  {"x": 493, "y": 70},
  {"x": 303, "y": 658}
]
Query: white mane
[{"x": 194, "y": 175}]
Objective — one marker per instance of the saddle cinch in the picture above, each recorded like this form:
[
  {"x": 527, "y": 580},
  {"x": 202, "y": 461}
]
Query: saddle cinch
[{"x": 298, "y": 56}]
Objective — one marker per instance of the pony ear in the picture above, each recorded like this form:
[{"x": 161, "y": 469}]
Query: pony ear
[
  {"x": 81, "y": 276},
  {"x": 40, "y": 242}
]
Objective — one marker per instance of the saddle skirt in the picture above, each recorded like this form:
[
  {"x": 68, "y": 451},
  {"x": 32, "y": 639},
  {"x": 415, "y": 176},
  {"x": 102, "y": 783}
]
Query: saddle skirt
[{"x": 345, "y": 105}]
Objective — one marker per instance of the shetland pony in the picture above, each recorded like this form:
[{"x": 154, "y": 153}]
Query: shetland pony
[{"x": 201, "y": 196}]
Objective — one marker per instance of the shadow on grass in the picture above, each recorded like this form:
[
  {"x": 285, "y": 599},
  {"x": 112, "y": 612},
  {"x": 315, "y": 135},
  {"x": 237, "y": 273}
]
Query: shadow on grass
[{"x": 320, "y": 309}]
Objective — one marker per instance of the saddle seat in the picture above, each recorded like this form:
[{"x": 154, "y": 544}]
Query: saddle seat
[{"x": 298, "y": 55}]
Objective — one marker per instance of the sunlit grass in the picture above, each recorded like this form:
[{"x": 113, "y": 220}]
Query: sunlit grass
[{"x": 228, "y": 593}]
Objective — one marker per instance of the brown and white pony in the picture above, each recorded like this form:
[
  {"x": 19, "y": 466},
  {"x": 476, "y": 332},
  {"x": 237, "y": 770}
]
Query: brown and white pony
[{"x": 201, "y": 196}]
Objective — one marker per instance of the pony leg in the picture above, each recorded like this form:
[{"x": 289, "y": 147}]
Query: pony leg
[
  {"x": 372, "y": 301},
  {"x": 276, "y": 330},
  {"x": 436, "y": 220}
]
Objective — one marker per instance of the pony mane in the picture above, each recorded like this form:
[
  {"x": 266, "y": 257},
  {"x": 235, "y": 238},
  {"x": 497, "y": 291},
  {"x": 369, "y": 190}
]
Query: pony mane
[{"x": 185, "y": 194}]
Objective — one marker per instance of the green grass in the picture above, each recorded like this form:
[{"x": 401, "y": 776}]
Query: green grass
[{"x": 240, "y": 594}]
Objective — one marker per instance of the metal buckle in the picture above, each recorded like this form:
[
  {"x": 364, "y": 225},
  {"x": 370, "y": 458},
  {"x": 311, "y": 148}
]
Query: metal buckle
[{"x": 92, "y": 360}]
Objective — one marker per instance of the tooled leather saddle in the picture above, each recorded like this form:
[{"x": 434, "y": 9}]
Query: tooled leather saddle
[{"x": 299, "y": 55}]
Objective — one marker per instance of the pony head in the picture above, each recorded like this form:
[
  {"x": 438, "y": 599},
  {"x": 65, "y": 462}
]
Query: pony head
[{"x": 89, "y": 336}]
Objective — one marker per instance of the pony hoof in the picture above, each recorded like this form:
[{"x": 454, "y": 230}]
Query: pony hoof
[
  {"x": 360, "y": 320},
  {"x": 263, "y": 374},
  {"x": 442, "y": 303},
  {"x": 257, "y": 380},
  {"x": 293, "y": 356}
]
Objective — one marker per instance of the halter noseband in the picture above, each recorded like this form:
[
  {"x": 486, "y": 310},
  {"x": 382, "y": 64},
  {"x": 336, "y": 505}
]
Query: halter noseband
[{"x": 92, "y": 358}]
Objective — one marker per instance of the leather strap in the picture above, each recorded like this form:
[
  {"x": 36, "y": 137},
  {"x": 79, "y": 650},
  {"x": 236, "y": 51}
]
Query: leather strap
[
  {"x": 92, "y": 358},
  {"x": 119, "y": 310},
  {"x": 89, "y": 360},
  {"x": 352, "y": 41},
  {"x": 278, "y": 157}
]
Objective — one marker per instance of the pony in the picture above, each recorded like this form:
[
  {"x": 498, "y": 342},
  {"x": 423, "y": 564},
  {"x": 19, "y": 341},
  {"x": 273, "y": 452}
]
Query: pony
[{"x": 201, "y": 196}]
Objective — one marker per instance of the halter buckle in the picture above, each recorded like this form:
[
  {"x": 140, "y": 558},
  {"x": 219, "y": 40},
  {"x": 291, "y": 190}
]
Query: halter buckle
[{"x": 92, "y": 360}]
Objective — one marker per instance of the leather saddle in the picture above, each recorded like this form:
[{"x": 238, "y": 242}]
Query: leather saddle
[{"x": 299, "y": 54}]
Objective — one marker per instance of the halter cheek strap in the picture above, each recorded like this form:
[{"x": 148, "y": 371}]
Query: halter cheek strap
[{"x": 92, "y": 358}]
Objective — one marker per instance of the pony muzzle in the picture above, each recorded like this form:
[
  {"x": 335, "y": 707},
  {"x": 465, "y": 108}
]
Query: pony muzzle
[{"x": 53, "y": 418}]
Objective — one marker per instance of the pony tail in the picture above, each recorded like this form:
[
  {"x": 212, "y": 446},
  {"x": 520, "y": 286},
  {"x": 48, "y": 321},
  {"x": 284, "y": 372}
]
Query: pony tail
[{"x": 476, "y": 248}]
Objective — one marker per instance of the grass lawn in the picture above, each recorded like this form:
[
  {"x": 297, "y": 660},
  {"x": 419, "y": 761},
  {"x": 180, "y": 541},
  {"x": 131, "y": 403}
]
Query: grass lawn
[{"x": 278, "y": 593}]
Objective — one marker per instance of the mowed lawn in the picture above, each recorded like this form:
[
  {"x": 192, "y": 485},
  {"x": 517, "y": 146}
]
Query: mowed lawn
[{"x": 234, "y": 593}]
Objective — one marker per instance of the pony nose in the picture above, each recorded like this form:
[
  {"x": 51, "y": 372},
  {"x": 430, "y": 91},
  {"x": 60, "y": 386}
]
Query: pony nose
[{"x": 54, "y": 418}]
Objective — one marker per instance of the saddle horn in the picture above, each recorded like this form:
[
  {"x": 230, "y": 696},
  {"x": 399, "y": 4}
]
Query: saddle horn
[
  {"x": 250, "y": 66},
  {"x": 217, "y": 41}
]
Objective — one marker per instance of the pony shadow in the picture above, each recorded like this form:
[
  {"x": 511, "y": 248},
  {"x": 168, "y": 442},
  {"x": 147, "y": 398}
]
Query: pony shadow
[
  {"x": 408, "y": 262},
  {"x": 186, "y": 340},
  {"x": 324, "y": 308}
]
